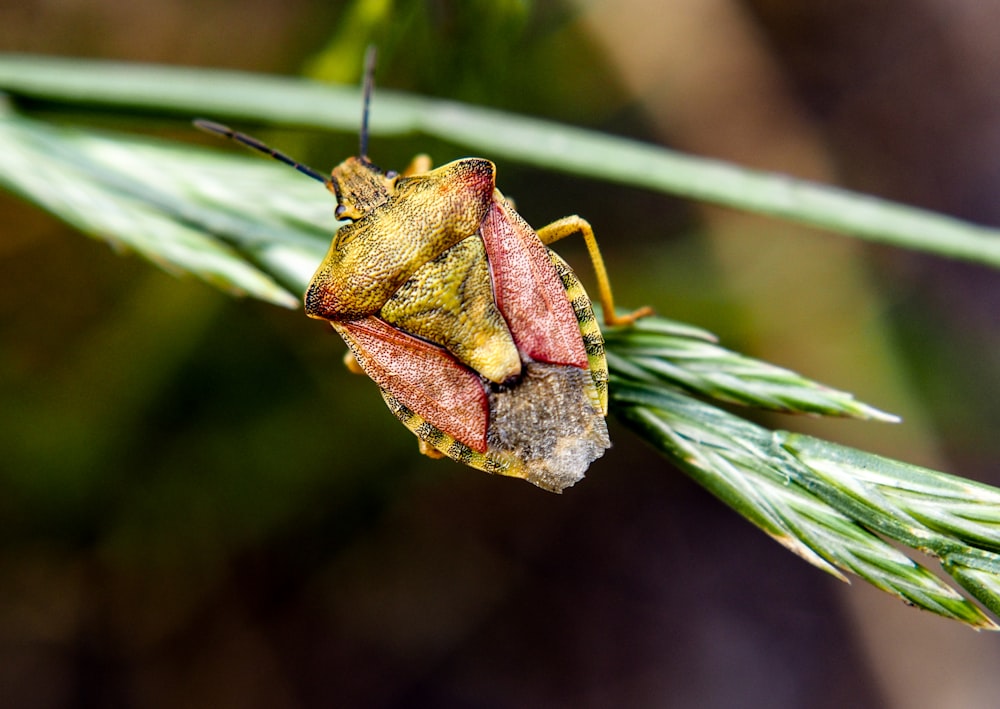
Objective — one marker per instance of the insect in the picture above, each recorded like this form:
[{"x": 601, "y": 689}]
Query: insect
[{"x": 482, "y": 340}]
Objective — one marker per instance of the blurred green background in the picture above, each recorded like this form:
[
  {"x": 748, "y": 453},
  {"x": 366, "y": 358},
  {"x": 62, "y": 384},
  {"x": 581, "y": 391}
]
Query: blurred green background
[{"x": 200, "y": 507}]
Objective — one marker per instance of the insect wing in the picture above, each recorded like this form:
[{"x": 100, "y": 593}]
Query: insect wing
[
  {"x": 423, "y": 377},
  {"x": 528, "y": 290}
]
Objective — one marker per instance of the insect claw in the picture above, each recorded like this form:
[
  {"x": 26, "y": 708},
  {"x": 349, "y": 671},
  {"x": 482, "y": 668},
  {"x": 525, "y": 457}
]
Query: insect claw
[{"x": 629, "y": 318}]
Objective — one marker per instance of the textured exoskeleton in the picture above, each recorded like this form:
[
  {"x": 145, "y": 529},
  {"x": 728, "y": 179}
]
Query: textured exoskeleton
[{"x": 482, "y": 340}]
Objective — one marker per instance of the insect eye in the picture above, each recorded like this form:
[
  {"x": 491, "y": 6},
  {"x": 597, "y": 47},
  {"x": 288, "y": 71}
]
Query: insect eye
[
  {"x": 339, "y": 211},
  {"x": 392, "y": 175}
]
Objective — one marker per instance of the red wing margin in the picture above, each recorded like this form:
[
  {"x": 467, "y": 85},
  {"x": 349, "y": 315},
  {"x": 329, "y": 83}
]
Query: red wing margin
[
  {"x": 528, "y": 290},
  {"x": 423, "y": 377}
]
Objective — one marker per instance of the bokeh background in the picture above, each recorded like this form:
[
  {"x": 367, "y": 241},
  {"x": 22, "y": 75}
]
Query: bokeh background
[{"x": 199, "y": 507}]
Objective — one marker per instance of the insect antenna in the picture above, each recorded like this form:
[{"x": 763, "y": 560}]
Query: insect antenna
[
  {"x": 369, "y": 85},
  {"x": 251, "y": 142}
]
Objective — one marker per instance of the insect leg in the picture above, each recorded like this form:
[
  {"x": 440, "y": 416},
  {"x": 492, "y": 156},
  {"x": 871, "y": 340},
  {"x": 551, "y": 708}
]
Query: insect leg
[
  {"x": 568, "y": 226},
  {"x": 351, "y": 362},
  {"x": 429, "y": 450},
  {"x": 420, "y": 164}
]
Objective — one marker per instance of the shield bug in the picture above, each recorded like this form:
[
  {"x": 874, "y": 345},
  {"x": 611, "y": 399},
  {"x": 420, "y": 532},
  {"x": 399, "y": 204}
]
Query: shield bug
[{"x": 482, "y": 340}]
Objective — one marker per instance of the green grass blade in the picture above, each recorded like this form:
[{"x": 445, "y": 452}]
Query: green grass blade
[
  {"x": 234, "y": 95},
  {"x": 657, "y": 352},
  {"x": 951, "y": 518},
  {"x": 953, "y": 507},
  {"x": 983, "y": 584},
  {"x": 746, "y": 467},
  {"x": 241, "y": 225}
]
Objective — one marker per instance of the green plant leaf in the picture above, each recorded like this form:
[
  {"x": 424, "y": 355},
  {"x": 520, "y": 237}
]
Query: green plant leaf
[
  {"x": 747, "y": 467},
  {"x": 655, "y": 350},
  {"x": 239, "y": 224},
  {"x": 299, "y": 102}
]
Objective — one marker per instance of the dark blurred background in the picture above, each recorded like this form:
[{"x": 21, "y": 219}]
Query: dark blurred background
[{"x": 200, "y": 507}]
